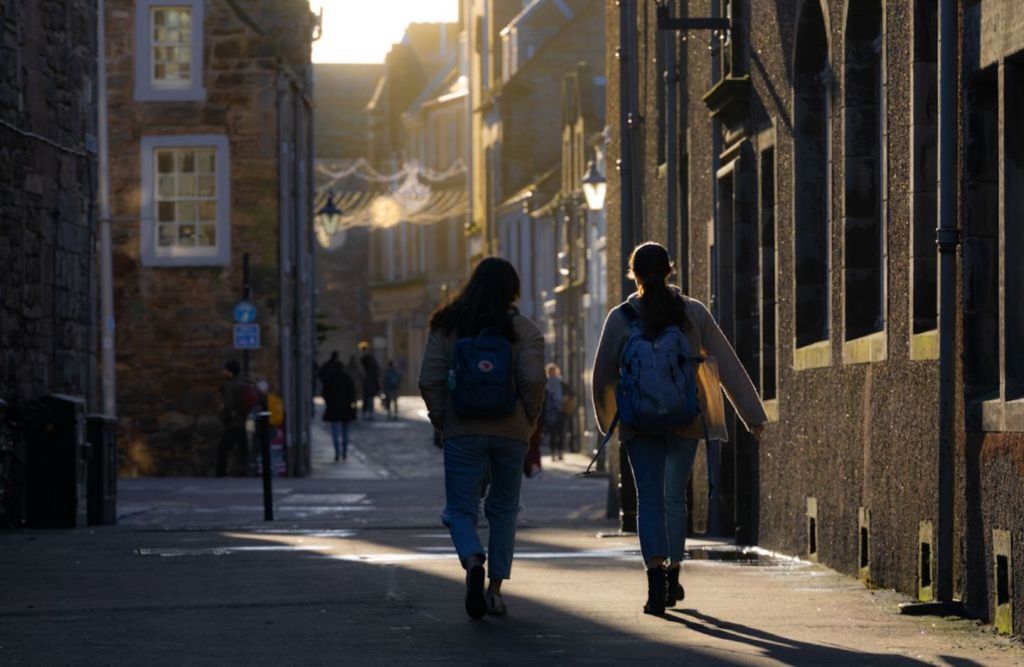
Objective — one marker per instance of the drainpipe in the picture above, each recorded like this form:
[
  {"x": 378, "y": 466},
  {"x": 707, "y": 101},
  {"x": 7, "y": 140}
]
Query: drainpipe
[
  {"x": 626, "y": 122},
  {"x": 105, "y": 249},
  {"x": 947, "y": 240},
  {"x": 671, "y": 77}
]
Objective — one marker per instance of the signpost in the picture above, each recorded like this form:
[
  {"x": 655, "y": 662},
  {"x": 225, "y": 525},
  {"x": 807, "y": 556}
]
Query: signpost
[{"x": 247, "y": 336}]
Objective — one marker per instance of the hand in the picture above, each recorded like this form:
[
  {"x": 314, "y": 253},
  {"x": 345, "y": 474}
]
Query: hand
[{"x": 757, "y": 431}]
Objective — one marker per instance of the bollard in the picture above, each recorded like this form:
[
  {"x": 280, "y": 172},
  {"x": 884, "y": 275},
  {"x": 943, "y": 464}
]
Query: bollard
[{"x": 268, "y": 492}]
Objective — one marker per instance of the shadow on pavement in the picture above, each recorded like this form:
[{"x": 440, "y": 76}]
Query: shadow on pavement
[{"x": 784, "y": 649}]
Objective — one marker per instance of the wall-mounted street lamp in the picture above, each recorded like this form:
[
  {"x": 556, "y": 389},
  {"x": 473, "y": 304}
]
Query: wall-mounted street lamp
[
  {"x": 594, "y": 186},
  {"x": 329, "y": 215}
]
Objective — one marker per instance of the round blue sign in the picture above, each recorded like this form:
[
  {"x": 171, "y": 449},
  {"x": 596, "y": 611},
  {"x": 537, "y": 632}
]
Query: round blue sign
[{"x": 244, "y": 312}]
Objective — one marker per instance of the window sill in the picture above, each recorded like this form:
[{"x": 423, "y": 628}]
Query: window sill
[
  {"x": 866, "y": 349},
  {"x": 924, "y": 346},
  {"x": 815, "y": 355},
  {"x": 999, "y": 416},
  {"x": 771, "y": 408}
]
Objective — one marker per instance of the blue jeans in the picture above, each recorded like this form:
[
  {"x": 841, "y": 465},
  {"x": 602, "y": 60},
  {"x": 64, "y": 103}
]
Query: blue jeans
[
  {"x": 467, "y": 460},
  {"x": 661, "y": 467},
  {"x": 339, "y": 435}
]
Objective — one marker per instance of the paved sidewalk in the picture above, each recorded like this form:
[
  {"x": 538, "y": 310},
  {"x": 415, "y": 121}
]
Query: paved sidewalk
[{"x": 358, "y": 570}]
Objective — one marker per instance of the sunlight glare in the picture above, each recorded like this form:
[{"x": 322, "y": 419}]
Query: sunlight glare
[{"x": 357, "y": 31}]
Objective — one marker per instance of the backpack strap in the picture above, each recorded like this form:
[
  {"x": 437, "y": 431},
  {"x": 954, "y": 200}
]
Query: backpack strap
[{"x": 633, "y": 319}]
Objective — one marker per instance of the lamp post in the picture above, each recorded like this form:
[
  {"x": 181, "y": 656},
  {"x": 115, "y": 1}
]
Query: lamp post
[
  {"x": 594, "y": 186},
  {"x": 329, "y": 214}
]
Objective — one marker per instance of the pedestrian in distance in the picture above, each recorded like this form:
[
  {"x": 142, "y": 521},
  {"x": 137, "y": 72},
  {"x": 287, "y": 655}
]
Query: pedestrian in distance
[
  {"x": 645, "y": 381},
  {"x": 483, "y": 383},
  {"x": 392, "y": 384},
  {"x": 371, "y": 379},
  {"x": 355, "y": 371},
  {"x": 232, "y": 418},
  {"x": 339, "y": 394},
  {"x": 559, "y": 400}
]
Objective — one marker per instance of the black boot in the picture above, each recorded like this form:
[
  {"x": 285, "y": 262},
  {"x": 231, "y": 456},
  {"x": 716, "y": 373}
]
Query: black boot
[
  {"x": 673, "y": 589},
  {"x": 655, "y": 591}
]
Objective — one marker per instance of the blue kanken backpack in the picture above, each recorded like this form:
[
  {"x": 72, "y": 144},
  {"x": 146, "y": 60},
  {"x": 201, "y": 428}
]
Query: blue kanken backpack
[
  {"x": 482, "y": 381},
  {"x": 657, "y": 388}
]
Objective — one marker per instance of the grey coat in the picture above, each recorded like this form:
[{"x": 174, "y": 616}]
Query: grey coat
[
  {"x": 528, "y": 352},
  {"x": 704, "y": 335}
]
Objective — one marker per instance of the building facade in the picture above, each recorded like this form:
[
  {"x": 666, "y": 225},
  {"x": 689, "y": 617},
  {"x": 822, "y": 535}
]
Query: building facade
[
  {"x": 48, "y": 286},
  {"x": 789, "y": 163},
  {"x": 537, "y": 118},
  {"x": 211, "y": 172},
  {"x": 341, "y": 138}
]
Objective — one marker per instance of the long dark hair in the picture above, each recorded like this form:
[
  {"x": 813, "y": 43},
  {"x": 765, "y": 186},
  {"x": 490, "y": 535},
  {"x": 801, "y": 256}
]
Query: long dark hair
[
  {"x": 650, "y": 267},
  {"x": 485, "y": 301}
]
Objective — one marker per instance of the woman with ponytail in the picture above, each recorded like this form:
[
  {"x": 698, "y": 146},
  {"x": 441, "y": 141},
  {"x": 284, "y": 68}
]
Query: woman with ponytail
[{"x": 662, "y": 458}]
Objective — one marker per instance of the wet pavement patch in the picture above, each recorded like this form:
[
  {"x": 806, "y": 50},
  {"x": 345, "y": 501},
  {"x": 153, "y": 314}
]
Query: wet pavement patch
[{"x": 737, "y": 555}]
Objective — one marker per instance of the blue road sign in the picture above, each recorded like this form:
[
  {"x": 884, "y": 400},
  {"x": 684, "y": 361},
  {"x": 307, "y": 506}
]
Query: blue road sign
[
  {"x": 247, "y": 336},
  {"x": 244, "y": 312}
]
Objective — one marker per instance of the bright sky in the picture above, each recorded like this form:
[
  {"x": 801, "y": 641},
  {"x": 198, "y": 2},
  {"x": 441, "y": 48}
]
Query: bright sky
[{"x": 362, "y": 31}]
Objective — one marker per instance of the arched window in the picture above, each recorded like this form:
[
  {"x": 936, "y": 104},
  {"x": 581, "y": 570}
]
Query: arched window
[
  {"x": 864, "y": 183},
  {"x": 811, "y": 120}
]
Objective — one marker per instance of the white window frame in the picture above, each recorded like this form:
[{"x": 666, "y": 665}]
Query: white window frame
[
  {"x": 145, "y": 91},
  {"x": 220, "y": 254}
]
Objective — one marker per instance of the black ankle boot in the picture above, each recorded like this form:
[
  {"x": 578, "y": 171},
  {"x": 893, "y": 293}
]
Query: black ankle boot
[
  {"x": 673, "y": 589},
  {"x": 655, "y": 591}
]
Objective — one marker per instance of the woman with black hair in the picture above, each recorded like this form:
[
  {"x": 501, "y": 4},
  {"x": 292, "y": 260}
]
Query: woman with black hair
[
  {"x": 662, "y": 456},
  {"x": 483, "y": 438}
]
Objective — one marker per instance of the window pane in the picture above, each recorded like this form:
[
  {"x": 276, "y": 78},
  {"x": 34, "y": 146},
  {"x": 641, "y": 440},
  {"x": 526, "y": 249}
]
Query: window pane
[
  {"x": 159, "y": 72},
  {"x": 188, "y": 162},
  {"x": 207, "y": 235},
  {"x": 165, "y": 211},
  {"x": 186, "y": 211},
  {"x": 187, "y": 235},
  {"x": 165, "y": 235},
  {"x": 159, "y": 17},
  {"x": 205, "y": 162},
  {"x": 186, "y": 185},
  {"x": 207, "y": 185},
  {"x": 164, "y": 162},
  {"x": 208, "y": 211},
  {"x": 165, "y": 186}
]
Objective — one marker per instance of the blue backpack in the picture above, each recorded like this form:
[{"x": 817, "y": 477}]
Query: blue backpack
[
  {"x": 482, "y": 382},
  {"x": 657, "y": 388}
]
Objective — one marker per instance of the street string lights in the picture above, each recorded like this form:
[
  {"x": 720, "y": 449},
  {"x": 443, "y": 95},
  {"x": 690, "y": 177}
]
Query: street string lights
[{"x": 358, "y": 195}]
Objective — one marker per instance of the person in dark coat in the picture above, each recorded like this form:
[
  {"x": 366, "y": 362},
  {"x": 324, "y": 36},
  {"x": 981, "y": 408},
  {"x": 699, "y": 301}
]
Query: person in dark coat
[
  {"x": 339, "y": 394},
  {"x": 371, "y": 379},
  {"x": 232, "y": 418}
]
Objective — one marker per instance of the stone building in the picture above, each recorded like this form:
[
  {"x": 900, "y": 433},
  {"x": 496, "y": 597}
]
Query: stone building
[
  {"x": 211, "y": 160},
  {"x": 47, "y": 197},
  {"x": 341, "y": 138},
  {"x": 538, "y": 115},
  {"x": 790, "y": 165},
  {"x": 418, "y": 133}
]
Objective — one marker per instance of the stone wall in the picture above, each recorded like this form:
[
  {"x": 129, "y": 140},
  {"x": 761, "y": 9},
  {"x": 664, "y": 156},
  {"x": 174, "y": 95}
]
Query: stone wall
[
  {"x": 174, "y": 324},
  {"x": 47, "y": 185},
  {"x": 849, "y": 433}
]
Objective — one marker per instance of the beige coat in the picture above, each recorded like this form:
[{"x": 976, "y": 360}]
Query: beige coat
[
  {"x": 528, "y": 353},
  {"x": 704, "y": 335}
]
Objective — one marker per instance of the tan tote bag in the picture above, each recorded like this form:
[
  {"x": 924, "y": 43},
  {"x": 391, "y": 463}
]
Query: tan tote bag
[{"x": 712, "y": 404}]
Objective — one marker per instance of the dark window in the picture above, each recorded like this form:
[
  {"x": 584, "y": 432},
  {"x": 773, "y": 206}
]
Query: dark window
[
  {"x": 924, "y": 189},
  {"x": 981, "y": 236},
  {"x": 810, "y": 175},
  {"x": 1013, "y": 93},
  {"x": 768, "y": 304},
  {"x": 863, "y": 241}
]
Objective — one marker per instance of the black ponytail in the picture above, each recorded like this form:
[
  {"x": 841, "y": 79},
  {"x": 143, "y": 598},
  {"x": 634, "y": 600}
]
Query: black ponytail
[{"x": 650, "y": 267}]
